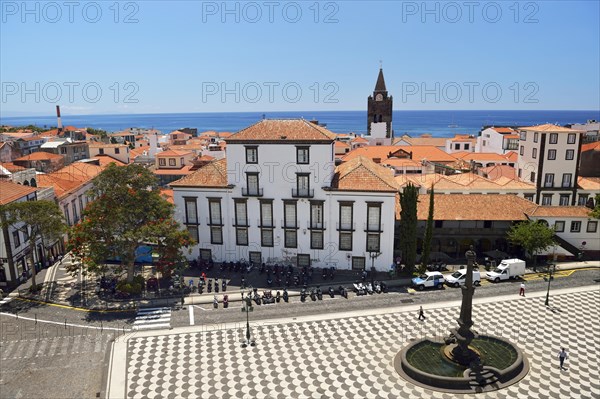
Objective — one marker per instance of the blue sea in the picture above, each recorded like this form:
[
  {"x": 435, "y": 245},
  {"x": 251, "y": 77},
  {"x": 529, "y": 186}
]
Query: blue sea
[{"x": 414, "y": 123}]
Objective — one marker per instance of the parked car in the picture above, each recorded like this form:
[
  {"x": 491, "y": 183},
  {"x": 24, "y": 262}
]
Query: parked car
[
  {"x": 509, "y": 268},
  {"x": 428, "y": 280},
  {"x": 459, "y": 278}
]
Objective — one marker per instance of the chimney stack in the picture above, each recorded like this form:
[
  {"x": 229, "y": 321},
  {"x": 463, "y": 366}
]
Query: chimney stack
[{"x": 60, "y": 126}]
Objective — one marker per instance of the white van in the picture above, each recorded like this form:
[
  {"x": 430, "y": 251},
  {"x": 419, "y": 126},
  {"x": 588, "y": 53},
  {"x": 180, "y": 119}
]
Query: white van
[{"x": 459, "y": 278}]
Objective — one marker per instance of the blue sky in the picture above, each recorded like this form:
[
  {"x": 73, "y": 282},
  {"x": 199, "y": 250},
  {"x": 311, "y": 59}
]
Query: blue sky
[{"x": 194, "y": 56}]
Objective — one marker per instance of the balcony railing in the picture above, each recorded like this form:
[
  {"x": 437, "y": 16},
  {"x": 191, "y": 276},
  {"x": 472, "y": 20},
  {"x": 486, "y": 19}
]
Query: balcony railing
[
  {"x": 252, "y": 192},
  {"x": 315, "y": 225},
  {"x": 345, "y": 226},
  {"x": 303, "y": 193}
]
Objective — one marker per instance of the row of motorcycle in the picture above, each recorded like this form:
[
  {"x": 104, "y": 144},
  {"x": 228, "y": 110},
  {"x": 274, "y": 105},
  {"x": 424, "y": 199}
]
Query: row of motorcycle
[{"x": 366, "y": 288}]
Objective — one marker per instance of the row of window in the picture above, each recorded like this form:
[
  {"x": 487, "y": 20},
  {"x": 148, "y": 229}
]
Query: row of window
[
  {"x": 302, "y": 155},
  {"x": 566, "y": 180},
  {"x": 71, "y": 209},
  {"x": 17, "y": 238},
  {"x": 316, "y": 224},
  {"x": 172, "y": 161},
  {"x": 592, "y": 226},
  {"x": 553, "y": 139},
  {"x": 569, "y": 154}
]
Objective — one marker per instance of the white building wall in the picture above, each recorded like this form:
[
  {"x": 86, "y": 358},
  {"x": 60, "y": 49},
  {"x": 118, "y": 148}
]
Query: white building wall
[
  {"x": 591, "y": 239},
  {"x": 491, "y": 141}
]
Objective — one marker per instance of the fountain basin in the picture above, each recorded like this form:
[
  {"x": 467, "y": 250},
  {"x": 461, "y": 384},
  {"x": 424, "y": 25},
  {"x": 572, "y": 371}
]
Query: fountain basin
[{"x": 426, "y": 363}]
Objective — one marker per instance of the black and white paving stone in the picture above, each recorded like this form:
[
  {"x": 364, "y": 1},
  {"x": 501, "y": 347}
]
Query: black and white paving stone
[{"x": 351, "y": 355}]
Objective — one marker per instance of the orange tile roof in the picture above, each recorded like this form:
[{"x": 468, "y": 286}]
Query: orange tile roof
[
  {"x": 10, "y": 191},
  {"x": 106, "y": 145},
  {"x": 39, "y": 156},
  {"x": 180, "y": 171},
  {"x": 362, "y": 174},
  {"x": 173, "y": 153},
  {"x": 504, "y": 130},
  {"x": 359, "y": 139},
  {"x": 595, "y": 146},
  {"x": 589, "y": 183},
  {"x": 497, "y": 171},
  {"x": 475, "y": 207},
  {"x": 511, "y": 136},
  {"x": 213, "y": 174},
  {"x": 548, "y": 127},
  {"x": 419, "y": 152},
  {"x": 560, "y": 211},
  {"x": 11, "y": 167},
  {"x": 69, "y": 178},
  {"x": 341, "y": 144},
  {"x": 424, "y": 139},
  {"x": 400, "y": 162},
  {"x": 292, "y": 130},
  {"x": 512, "y": 156},
  {"x": 480, "y": 156},
  {"x": 106, "y": 160},
  {"x": 463, "y": 137},
  {"x": 167, "y": 194}
]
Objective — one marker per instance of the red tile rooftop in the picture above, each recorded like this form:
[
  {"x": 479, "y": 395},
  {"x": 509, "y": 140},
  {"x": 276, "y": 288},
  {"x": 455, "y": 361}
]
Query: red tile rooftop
[
  {"x": 276, "y": 130},
  {"x": 10, "y": 191}
]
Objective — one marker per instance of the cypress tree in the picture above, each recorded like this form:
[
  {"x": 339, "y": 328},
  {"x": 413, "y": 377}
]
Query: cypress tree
[
  {"x": 408, "y": 225},
  {"x": 428, "y": 231}
]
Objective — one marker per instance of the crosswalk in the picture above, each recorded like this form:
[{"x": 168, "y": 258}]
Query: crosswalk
[{"x": 152, "y": 318}]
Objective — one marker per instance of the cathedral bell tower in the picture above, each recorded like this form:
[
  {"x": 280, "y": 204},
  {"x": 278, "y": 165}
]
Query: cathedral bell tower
[{"x": 379, "y": 111}]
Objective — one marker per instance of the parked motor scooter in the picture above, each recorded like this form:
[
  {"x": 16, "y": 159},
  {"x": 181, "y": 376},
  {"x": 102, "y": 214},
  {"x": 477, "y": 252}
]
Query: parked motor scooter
[
  {"x": 209, "y": 286},
  {"x": 303, "y": 295},
  {"x": 319, "y": 293},
  {"x": 377, "y": 287},
  {"x": 277, "y": 296},
  {"x": 313, "y": 294},
  {"x": 216, "y": 285},
  {"x": 215, "y": 302},
  {"x": 224, "y": 285},
  {"x": 286, "y": 296},
  {"x": 331, "y": 292},
  {"x": 225, "y": 301},
  {"x": 343, "y": 292}
]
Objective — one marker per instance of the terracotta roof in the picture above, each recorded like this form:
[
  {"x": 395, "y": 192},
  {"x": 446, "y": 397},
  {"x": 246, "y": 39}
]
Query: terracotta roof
[
  {"x": 283, "y": 130},
  {"x": 589, "y": 183},
  {"x": 463, "y": 137},
  {"x": 11, "y": 167},
  {"x": 400, "y": 162},
  {"x": 173, "y": 153},
  {"x": 512, "y": 156},
  {"x": 213, "y": 174},
  {"x": 548, "y": 127},
  {"x": 10, "y": 191},
  {"x": 341, "y": 144},
  {"x": 498, "y": 171},
  {"x": 136, "y": 152},
  {"x": 39, "y": 156},
  {"x": 32, "y": 138},
  {"x": 475, "y": 207},
  {"x": 69, "y": 178},
  {"x": 480, "y": 156},
  {"x": 504, "y": 130},
  {"x": 560, "y": 211},
  {"x": 362, "y": 174},
  {"x": 595, "y": 146},
  {"x": 106, "y": 160},
  {"x": 359, "y": 139},
  {"x": 419, "y": 152},
  {"x": 105, "y": 145},
  {"x": 424, "y": 139},
  {"x": 167, "y": 194},
  {"x": 180, "y": 171}
]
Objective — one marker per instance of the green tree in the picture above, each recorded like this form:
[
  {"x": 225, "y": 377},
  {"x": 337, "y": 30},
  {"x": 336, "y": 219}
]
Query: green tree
[
  {"x": 428, "y": 231},
  {"x": 127, "y": 212},
  {"x": 409, "y": 198},
  {"x": 41, "y": 221},
  {"x": 595, "y": 213},
  {"x": 97, "y": 132},
  {"x": 533, "y": 236}
]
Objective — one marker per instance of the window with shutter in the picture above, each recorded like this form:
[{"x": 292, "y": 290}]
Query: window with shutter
[
  {"x": 290, "y": 214},
  {"x": 346, "y": 217},
  {"x": 373, "y": 242},
  {"x": 345, "y": 241},
  {"x": 216, "y": 235},
  {"x": 316, "y": 239},
  {"x": 241, "y": 236},
  {"x": 373, "y": 217},
  {"x": 266, "y": 236},
  {"x": 266, "y": 213},
  {"x": 191, "y": 211},
  {"x": 241, "y": 215},
  {"x": 215, "y": 211},
  {"x": 316, "y": 215},
  {"x": 358, "y": 263},
  {"x": 291, "y": 239}
]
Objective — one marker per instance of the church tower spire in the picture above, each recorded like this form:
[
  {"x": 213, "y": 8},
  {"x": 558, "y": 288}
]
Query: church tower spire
[{"x": 379, "y": 112}]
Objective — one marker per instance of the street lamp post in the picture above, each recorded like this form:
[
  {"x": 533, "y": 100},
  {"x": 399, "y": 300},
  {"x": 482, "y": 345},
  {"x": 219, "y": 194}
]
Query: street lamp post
[
  {"x": 373, "y": 256},
  {"x": 550, "y": 277},
  {"x": 247, "y": 308}
]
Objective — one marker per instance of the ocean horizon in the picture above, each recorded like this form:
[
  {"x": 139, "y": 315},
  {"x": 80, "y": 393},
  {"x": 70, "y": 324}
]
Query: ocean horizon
[{"x": 437, "y": 123}]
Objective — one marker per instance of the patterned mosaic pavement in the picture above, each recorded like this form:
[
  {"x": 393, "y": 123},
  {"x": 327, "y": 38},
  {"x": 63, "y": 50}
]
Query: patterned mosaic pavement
[{"x": 352, "y": 356}]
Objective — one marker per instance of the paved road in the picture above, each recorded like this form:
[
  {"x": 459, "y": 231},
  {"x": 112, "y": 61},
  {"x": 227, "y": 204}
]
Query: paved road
[{"x": 52, "y": 353}]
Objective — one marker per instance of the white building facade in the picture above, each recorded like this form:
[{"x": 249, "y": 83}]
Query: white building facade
[
  {"x": 278, "y": 198},
  {"x": 549, "y": 158}
]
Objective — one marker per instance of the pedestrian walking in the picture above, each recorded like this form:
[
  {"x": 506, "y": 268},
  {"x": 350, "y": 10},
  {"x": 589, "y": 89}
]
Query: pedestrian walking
[
  {"x": 421, "y": 313},
  {"x": 522, "y": 290},
  {"x": 562, "y": 356}
]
